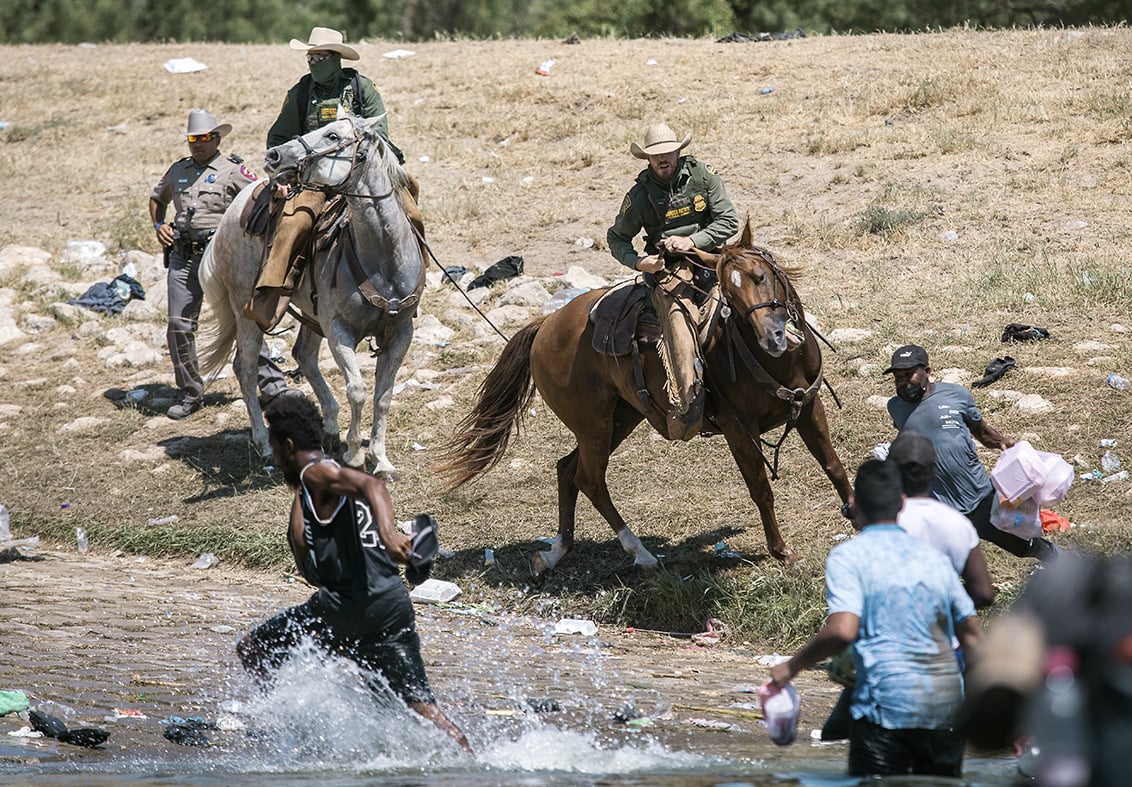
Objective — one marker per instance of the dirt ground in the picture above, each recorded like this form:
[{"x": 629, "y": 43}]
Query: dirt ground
[{"x": 91, "y": 633}]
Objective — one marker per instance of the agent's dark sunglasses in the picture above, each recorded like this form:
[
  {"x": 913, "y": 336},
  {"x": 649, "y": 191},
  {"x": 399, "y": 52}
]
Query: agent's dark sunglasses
[
  {"x": 200, "y": 137},
  {"x": 315, "y": 58}
]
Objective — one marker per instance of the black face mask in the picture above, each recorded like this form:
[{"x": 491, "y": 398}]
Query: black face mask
[{"x": 911, "y": 392}]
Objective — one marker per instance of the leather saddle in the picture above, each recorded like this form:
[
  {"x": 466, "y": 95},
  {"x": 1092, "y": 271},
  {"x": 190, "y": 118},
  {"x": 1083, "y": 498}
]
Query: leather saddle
[{"x": 615, "y": 316}]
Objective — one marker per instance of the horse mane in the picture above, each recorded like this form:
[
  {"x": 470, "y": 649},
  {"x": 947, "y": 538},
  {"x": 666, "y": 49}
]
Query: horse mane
[
  {"x": 734, "y": 250},
  {"x": 398, "y": 178}
]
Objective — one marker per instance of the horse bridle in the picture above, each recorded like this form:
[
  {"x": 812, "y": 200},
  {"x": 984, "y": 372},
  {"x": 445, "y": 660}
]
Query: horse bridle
[
  {"x": 791, "y": 306},
  {"x": 357, "y": 157}
]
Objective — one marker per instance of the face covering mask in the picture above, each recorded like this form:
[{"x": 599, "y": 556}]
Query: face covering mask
[
  {"x": 912, "y": 392},
  {"x": 327, "y": 71}
]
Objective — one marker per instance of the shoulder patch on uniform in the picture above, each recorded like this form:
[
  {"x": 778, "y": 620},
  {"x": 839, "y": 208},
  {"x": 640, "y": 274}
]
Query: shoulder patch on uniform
[
  {"x": 625, "y": 205},
  {"x": 247, "y": 173}
]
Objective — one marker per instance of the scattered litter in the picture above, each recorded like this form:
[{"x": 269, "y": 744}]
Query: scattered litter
[
  {"x": 585, "y": 243},
  {"x": 626, "y": 713},
  {"x": 766, "y": 91},
  {"x": 487, "y": 179},
  {"x": 419, "y": 447},
  {"x": 560, "y": 299},
  {"x": 398, "y": 54},
  {"x": 222, "y": 629},
  {"x": 26, "y": 732},
  {"x": 841, "y": 536},
  {"x": 3, "y": 125},
  {"x": 880, "y": 451},
  {"x": 489, "y": 557},
  {"x": 499, "y": 712},
  {"x": 434, "y": 591},
  {"x": 949, "y": 235},
  {"x": 110, "y": 298},
  {"x": 544, "y": 67},
  {"x": 1053, "y": 522},
  {"x": 1110, "y": 462},
  {"x": 722, "y": 549},
  {"x": 1121, "y": 476},
  {"x": 1108, "y": 442},
  {"x": 186, "y": 735},
  {"x": 1117, "y": 383},
  {"x": 184, "y": 65},
  {"x": 1016, "y": 332},
  {"x": 739, "y": 38},
  {"x": 12, "y": 702},
  {"x": 126, "y": 713},
  {"x": 90, "y": 737},
  {"x": 544, "y": 704},
  {"x": 13, "y": 553},
  {"x": 227, "y": 723},
  {"x": 507, "y": 268},
  {"x": 81, "y": 541},
  {"x": 423, "y": 159},
  {"x": 1076, "y": 224},
  {"x": 711, "y": 724},
  {"x": 207, "y": 560},
  {"x": 652, "y": 61},
  {"x": 716, "y": 630},
  {"x": 1092, "y": 475},
  {"x": 587, "y": 628},
  {"x": 163, "y": 520},
  {"x": 994, "y": 371}
]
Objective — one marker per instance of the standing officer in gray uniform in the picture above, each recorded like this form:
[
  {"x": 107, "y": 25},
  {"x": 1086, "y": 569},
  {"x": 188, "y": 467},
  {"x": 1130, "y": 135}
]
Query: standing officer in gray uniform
[{"x": 201, "y": 186}]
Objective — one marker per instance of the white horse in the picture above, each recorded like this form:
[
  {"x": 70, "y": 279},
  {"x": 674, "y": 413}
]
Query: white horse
[{"x": 374, "y": 295}]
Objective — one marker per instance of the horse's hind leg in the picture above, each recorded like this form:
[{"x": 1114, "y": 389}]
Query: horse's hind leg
[
  {"x": 305, "y": 353},
  {"x": 249, "y": 340},
  {"x": 753, "y": 469},
  {"x": 583, "y": 470}
]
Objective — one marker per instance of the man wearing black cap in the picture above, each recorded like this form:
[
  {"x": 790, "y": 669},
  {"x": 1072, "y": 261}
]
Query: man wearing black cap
[{"x": 946, "y": 414}]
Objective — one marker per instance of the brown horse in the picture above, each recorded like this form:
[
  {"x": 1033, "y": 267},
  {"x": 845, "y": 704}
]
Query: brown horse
[{"x": 763, "y": 369}]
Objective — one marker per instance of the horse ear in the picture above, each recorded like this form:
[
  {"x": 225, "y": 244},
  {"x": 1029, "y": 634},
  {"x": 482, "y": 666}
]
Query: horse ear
[
  {"x": 706, "y": 257},
  {"x": 746, "y": 240}
]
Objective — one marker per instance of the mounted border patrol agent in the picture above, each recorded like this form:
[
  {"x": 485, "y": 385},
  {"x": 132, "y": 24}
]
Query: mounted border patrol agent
[
  {"x": 324, "y": 95},
  {"x": 200, "y": 186},
  {"x": 681, "y": 205}
]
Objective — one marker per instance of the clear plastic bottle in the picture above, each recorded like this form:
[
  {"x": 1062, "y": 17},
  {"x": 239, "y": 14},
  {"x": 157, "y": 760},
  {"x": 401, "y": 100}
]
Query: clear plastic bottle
[
  {"x": 1110, "y": 462},
  {"x": 81, "y": 539},
  {"x": 1059, "y": 724},
  {"x": 5, "y": 524},
  {"x": 1117, "y": 382}
]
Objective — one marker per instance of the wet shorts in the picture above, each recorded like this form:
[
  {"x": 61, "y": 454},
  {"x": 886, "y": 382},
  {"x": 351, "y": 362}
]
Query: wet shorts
[
  {"x": 877, "y": 751},
  {"x": 395, "y": 655}
]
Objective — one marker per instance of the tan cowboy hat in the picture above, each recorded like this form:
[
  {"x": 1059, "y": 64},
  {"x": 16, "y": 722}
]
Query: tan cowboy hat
[
  {"x": 659, "y": 138},
  {"x": 201, "y": 121},
  {"x": 326, "y": 40}
]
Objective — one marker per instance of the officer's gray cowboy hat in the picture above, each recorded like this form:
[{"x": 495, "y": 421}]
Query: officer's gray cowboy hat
[
  {"x": 658, "y": 139},
  {"x": 324, "y": 39},
  {"x": 201, "y": 121}
]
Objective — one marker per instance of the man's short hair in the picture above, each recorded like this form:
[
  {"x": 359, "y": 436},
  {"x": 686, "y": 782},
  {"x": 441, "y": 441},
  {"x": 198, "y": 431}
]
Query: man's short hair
[
  {"x": 877, "y": 491},
  {"x": 914, "y": 455},
  {"x": 294, "y": 416}
]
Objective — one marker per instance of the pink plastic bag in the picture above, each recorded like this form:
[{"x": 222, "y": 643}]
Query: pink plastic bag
[{"x": 780, "y": 711}]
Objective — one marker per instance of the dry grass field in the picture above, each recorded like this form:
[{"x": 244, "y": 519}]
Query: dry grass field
[{"x": 934, "y": 188}]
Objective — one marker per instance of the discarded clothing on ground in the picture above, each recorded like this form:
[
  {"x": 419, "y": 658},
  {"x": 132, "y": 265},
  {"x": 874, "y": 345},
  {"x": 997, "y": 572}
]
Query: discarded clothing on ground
[
  {"x": 90, "y": 737},
  {"x": 995, "y": 369},
  {"x": 506, "y": 268},
  {"x": 742, "y": 38},
  {"x": 111, "y": 297},
  {"x": 1016, "y": 332}
]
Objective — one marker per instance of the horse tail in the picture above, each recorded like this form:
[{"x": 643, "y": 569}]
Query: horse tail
[
  {"x": 220, "y": 336},
  {"x": 481, "y": 437}
]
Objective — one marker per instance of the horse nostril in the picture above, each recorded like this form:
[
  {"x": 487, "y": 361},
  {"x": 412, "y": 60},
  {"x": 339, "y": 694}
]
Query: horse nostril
[{"x": 271, "y": 156}]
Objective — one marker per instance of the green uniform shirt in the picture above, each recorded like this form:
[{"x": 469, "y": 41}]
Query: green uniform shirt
[
  {"x": 322, "y": 106},
  {"x": 693, "y": 203},
  {"x": 200, "y": 193}
]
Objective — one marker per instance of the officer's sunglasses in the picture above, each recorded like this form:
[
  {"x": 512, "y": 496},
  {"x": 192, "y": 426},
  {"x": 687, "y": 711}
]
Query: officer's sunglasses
[
  {"x": 315, "y": 58},
  {"x": 200, "y": 137}
]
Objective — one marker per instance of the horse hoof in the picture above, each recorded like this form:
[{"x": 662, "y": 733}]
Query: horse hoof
[
  {"x": 788, "y": 556},
  {"x": 539, "y": 565},
  {"x": 649, "y": 569}
]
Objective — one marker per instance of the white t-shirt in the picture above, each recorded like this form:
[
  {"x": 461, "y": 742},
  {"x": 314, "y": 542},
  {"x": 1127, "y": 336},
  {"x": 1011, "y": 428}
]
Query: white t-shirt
[{"x": 940, "y": 525}]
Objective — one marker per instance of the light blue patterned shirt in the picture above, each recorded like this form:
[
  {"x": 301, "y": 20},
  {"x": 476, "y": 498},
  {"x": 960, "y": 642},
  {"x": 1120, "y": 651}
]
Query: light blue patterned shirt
[{"x": 909, "y": 601}]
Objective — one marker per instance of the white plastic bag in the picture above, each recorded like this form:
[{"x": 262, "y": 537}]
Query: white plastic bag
[
  {"x": 1023, "y": 520},
  {"x": 1022, "y": 472},
  {"x": 781, "y": 707}
]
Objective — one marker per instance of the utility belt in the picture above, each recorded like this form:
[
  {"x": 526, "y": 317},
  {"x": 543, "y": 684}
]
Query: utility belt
[{"x": 187, "y": 249}]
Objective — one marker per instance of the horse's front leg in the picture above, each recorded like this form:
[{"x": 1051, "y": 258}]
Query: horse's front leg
[
  {"x": 305, "y": 353},
  {"x": 342, "y": 344},
  {"x": 814, "y": 430},
  {"x": 749, "y": 458},
  {"x": 384, "y": 375}
]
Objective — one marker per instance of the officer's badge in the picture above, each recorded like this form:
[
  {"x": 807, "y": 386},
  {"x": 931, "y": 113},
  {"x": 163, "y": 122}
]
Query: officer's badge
[
  {"x": 247, "y": 173},
  {"x": 699, "y": 203},
  {"x": 211, "y": 178}
]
